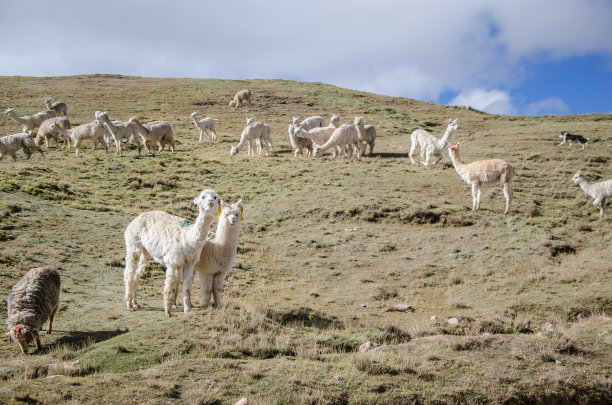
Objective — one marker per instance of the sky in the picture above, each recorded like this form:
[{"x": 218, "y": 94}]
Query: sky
[{"x": 516, "y": 57}]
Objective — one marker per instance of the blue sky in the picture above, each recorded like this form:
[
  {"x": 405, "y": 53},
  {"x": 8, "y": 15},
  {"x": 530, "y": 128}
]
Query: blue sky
[{"x": 529, "y": 57}]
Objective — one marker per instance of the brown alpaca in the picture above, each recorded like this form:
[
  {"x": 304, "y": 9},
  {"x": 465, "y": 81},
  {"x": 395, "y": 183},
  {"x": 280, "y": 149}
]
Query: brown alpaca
[{"x": 483, "y": 171}]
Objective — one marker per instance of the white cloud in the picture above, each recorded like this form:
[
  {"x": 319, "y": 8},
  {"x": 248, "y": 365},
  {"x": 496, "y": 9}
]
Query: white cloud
[
  {"x": 399, "y": 47},
  {"x": 492, "y": 101},
  {"x": 553, "y": 105}
]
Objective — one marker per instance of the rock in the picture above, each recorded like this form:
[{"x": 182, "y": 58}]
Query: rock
[
  {"x": 487, "y": 334},
  {"x": 242, "y": 401},
  {"x": 69, "y": 368},
  {"x": 367, "y": 346},
  {"x": 453, "y": 321},
  {"x": 402, "y": 308},
  {"x": 433, "y": 318},
  {"x": 364, "y": 305}
]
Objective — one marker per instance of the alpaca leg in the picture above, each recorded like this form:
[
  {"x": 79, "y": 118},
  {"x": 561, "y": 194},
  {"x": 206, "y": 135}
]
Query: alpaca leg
[
  {"x": 170, "y": 285},
  {"x": 217, "y": 288},
  {"x": 508, "y": 195},
  {"x": 200, "y": 138},
  {"x": 14, "y": 156},
  {"x": 478, "y": 195},
  {"x": 187, "y": 283},
  {"x": 412, "y": 150},
  {"x": 427, "y": 157},
  {"x": 598, "y": 203},
  {"x": 50, "y": 326},
  {"x": 27, "y": 152},
  {"x": 131, "y": 260},
  {"x": 206, "y": 289},
  {"x": 38, "y": 345},
  {"x": 474, "y": 196},
  {"x": 372, "y": 147},
  {"x": 214, "y": 134},
  {"x": 437, "y": 160},
  {"x": 143, "y": 260}
]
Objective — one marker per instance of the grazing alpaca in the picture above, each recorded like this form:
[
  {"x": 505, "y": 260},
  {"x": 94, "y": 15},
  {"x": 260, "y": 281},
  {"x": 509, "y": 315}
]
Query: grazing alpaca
[
  {"x": 205, "y": 125},
  {"x": 119, "y": 131},
  {"x": 218, "y": 254},
  {"x": 172, "y": 241},
  {"x": 599, "y": 191},
  {"x": 367, "y": 135},
  {"x": 33, "y": 300},
  {"x": 93, "y": 130},
  {"x": 60, "y": 108},
  {"x": 241, "y": 97},
  {"x": 9, "y": 145},
  {"x": 29, "y": 122},
  {"x": 252, "y": 133},
  {"x": 344, "y": 138},
  {"x": 156, "y": 132},
  {"x": 44, "y": 133},
  {"x": 483, "y": 171},
  {"x": 429, "y": 144}
]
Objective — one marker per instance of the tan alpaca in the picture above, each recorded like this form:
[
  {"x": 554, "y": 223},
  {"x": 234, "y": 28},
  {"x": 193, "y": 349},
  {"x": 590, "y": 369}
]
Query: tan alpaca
[{"x": 483, "y": 171}]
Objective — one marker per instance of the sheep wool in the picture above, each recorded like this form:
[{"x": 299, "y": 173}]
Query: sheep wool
[{"x": 33, "y": 300}]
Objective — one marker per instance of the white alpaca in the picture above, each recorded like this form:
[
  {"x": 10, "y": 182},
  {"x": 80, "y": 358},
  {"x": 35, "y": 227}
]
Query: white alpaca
[
  {"x": 10, "y": 144},
  {"x": 44, "y": 134},
  {"x": 298, "y": 143},
  {"x": 481, "y": 172},
  {"x": 599, "y": 191},
  {"x": 155, "y": 133},
  {"x": 205, "y": 125},
  {"x": 250, "y": 134},
  {"x": 318, "y": 135},
  {"x": 60, "y": 108},
  {"x": 172, "y": 241},
  {"x": 29, "y": 122},
  {"x": 429, "y": 144},
  {"x": 93, "y": 130},
  {"x": 367, "y": 135},
  {"x": 120, "y": 131},
  {"x": 218, "y": 254},
  {"x": 241, "y": 97},
  {"x": 310, "y": 122},
  {"x": 344, "y": 138}
]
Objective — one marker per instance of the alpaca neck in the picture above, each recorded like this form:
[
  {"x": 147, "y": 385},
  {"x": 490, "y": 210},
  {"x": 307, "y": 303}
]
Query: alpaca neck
[
  {"x": 585, "y": 185},
  {"x": 63, "y": 132},
  {"x": 198, "y": 232},
  {"x": 49, "y": 105},
  {"x": 457, "y": 164},
  {"x": 195, "y": 120},
  {"x": 361, "y": 131},
  {"x": 141, "y": 127},
  {"x": 16, "y": 118},
  {"x": 227, "y": 234},
  {"x": 444, "y": 141}
]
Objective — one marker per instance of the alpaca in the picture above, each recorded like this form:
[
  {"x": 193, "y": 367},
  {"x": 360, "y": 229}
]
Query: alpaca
[
  {"x": 241, "y": 97},
  {"x": 155, "y": 132},
  {"x": 32, "y": 300},
  {"x": 30, "y": 122},
  {"x": 44, "y": 134},
  {"x": 344, "y": 137},
  {"x": 310, "y": 122},
  {"x": 367, "y": 135},
  {"x": 251, "y": 133},
  {"x": 298, "y": 143},
  {"x": 429, "y": 144},
  {"x": 217, "y": 257},
  {"x": 92, "y": 130},
  {"x": 483, "y": 171},
  {"x": 60, "y": 108},
  {"x": 318, "y": 135},
  {"x": 119, "y": 131},
  {"x": 172, "y": 241},
  {"x": 205, "y": 125},
  {"x": 599, "y": 191},
  {"x": 9, "y": 145}
]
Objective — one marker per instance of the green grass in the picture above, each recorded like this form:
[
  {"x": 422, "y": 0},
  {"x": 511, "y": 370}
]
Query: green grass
[{"x": 326, "y": 249}]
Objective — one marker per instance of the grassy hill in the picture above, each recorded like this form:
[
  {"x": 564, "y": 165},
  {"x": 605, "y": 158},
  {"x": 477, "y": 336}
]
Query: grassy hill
[{"x": 326, "y": 249}]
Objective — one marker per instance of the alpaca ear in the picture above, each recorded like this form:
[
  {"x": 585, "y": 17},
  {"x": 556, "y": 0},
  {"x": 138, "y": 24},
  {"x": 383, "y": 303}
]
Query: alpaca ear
[{"x": 241, "y": 217}]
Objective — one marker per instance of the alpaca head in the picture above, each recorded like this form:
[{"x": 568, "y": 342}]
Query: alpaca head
[
  {"x": 232, "y": 212},
  {"x": 207, "y": 202},
  {"x": 452, "y": 124},
  {"x": 297, "y": 129},
  {"x": 194, "y": 115},
  {"x": 22, "y": 335},
  {"x": 295, "y": 120},
  {"x": 134, "y": 119},
  {"x": 358, "y": 121},
  {"x": 316, "y": 152},
  {"x": 48, "y": 100},
  {"x": 335, "y": 120},
  {"x": 578, "y": 177},
  {"x": 8, "y": 111},
  {"x": 234, "y": 151},
  {"x": 453, "y": 150},
  {"x": 249, "y": 121},
  {"x": 53, "y": 128},
  {"x": 232, "y": 103},
  {"x": 101, "y": 116}
]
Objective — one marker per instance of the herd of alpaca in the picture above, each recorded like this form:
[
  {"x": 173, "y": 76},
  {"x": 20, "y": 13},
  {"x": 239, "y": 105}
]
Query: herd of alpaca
[{"x": 185, "y": 248}]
